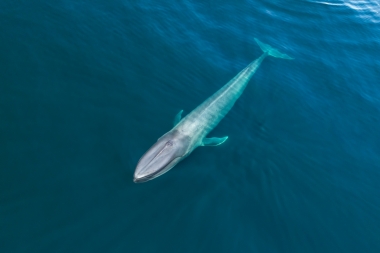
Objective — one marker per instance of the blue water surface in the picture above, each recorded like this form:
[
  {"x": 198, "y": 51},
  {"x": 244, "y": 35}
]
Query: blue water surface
[{"x": 88, "y": 86}]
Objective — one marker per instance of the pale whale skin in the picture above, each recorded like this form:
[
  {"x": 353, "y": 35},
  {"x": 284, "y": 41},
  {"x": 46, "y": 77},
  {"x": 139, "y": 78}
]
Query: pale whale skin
[{"x": 190, "y": 132}]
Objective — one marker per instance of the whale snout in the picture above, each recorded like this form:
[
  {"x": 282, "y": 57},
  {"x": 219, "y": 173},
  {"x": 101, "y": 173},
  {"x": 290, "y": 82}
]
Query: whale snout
[
  {"x": 138, "y": 179},
  {"x": 160, "y": 158},
  {"x": 152, "y": 163}
]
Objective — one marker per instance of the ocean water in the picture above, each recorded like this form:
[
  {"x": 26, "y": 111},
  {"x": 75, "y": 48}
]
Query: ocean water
[{"x": 88, "y": 86}]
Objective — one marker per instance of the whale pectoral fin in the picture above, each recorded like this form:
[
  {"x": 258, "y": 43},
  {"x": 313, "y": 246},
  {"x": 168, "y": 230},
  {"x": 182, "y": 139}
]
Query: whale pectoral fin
[
  {"x": 213, "y": 141},
  {"x": 177, "y": 118}
]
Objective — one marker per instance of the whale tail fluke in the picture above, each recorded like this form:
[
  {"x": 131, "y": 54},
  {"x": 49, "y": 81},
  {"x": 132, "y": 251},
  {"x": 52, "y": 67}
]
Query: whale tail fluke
[{"x": 272, "y": 51}]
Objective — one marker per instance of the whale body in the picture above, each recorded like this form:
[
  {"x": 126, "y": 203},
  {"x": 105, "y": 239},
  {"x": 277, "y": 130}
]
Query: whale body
[{"x": 191, "y": 131}]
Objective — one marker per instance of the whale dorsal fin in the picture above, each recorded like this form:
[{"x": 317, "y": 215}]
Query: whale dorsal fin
[
  {"x": 214, "y": 141},
  {"x": 177, "y": 118}
]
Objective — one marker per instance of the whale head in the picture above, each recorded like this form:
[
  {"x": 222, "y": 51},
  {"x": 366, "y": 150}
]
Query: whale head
[{"x": 169, "y": 150}]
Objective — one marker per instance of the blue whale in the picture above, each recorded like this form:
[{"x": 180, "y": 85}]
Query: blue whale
[{"x": 191, "y": 131}]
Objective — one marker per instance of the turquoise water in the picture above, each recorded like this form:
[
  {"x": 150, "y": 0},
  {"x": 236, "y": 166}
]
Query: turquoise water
[{"x": 88, "y": 86}]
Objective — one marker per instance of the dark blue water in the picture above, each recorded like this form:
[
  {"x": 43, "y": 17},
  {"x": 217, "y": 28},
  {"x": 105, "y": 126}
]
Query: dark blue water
[{"x": 88, "y": 86}]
